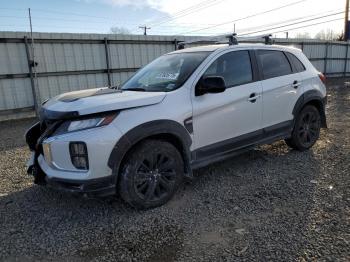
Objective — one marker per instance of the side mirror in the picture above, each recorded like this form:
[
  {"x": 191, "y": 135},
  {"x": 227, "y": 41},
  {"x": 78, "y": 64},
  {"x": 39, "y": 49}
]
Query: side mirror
[{"x": 210, "y": 84}]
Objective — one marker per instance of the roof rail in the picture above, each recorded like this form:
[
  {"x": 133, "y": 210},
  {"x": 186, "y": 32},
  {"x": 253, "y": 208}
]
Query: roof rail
[
  {"x": 267, "y": 39},
  {"x": 233, "y": 39},
  {"x": 209, "y": 40}
]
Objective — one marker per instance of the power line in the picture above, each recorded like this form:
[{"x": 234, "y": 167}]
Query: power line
[
  {"x": 287, "y": 21},
  {"x": 183, "y": 10},
  {"x": 13, "y": 9},
  {"x": 90, "y": 16},
  {"x": 194, "y": 10},
  {"x": 94, "y": 22},
  {"x": 280, "y": 22},
  {"x": 277, "y": 27},
  {"x": 246, "y": 17},
  {"x": 295, "y": 28}
]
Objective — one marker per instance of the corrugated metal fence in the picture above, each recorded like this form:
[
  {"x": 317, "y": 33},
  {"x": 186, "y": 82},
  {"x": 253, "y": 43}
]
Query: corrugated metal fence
[{"x": 67, "y": 62}]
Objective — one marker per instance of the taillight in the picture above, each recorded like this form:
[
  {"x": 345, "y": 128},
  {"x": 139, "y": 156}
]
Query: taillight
[{"x": 322, "y": 77}]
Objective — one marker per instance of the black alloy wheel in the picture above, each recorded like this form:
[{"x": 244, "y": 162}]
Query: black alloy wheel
[
  {"x": 306, "y": 129},
  {"x": 155, "y": 177},
  {"x": 151, "y": 174}
]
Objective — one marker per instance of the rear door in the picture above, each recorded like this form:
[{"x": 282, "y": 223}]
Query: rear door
[{"x": 281, "y": 87}]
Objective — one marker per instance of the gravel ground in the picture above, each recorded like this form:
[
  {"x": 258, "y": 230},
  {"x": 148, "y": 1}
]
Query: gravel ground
[{"x": 269, "y": 204}]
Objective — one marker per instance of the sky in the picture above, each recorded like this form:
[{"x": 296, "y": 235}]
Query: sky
[{"x": 175, "y": 17}]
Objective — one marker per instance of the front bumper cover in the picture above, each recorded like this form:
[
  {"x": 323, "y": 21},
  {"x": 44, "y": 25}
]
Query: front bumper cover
[
  {"x": 99, "y": 187},
  {"x": 92, "y": 187}
]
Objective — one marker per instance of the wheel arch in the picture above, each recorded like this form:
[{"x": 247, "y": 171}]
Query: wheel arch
[
  {"x": 315, "y": 98},
  {"x": 167, "y": 130}
]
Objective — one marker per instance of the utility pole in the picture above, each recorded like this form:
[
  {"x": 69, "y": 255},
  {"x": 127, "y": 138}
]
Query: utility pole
[
  {"x": 346, "y": 22},
  {"x": 286, "y": 35},
  {"x": 145, "y": 28},
  {"x": 32, "y": 64},
  {"x": 234, "y": 28}
]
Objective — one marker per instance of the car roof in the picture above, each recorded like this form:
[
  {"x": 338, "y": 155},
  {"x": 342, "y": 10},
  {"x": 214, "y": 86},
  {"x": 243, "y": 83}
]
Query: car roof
[{"x": 212, "y": 48}]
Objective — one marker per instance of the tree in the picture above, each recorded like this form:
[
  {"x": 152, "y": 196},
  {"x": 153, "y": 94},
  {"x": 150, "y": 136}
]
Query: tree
[
  {"x": 304, "y": 35},
  {"x": 328, "y": 34},
  {"x": 120, "y": 30}
]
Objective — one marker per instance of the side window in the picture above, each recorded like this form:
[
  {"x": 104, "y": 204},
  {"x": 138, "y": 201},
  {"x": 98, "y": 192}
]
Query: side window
[
  {"x": 234, "y": 67},
  {"x": 274, "y": 63},
  {"x": 298, "y": 65}
]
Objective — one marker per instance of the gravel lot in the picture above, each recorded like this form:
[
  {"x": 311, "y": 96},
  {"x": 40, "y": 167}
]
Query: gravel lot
[{"x": 272, "y": 203}]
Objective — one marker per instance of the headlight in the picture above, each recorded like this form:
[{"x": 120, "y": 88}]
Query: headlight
[{"x": 84, "y": 123}]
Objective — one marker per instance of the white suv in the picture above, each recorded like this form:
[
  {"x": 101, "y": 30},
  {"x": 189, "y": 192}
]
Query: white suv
[{"x": 182, "y": 111}]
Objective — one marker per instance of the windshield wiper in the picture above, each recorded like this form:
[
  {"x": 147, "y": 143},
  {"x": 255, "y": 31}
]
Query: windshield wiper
[{"x": 135, "y": 89}]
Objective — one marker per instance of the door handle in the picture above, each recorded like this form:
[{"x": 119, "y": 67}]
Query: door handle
[
  {"x": 295, "y": 84},
  {"x": 253, "y": 97}
]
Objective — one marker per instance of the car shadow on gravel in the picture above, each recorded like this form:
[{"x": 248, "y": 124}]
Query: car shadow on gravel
[{"x": 256, "y": 203}]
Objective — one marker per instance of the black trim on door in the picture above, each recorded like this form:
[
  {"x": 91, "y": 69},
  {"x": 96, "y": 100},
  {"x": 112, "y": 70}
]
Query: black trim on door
[
  {"x": 255, "y": 66},
  {"x": 258, "y": 65},
  {"x": 221, "y": 150}
]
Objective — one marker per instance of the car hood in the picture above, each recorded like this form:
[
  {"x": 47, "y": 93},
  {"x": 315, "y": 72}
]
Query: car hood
[{"x": 98, "y": 100}]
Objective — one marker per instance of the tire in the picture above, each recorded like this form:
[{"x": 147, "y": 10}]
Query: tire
[
  {"x": 306, "y": 129},
  {"x": 151, "y": 174}
]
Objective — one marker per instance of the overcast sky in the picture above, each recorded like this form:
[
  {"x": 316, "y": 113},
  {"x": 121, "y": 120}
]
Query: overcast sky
[{"x": 202, "y": 17}]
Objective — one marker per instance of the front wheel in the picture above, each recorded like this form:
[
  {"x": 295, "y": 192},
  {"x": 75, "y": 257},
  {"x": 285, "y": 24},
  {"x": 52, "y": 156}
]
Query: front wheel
[
  {"x": 151, "y": 174},
  {"x": 306, "y": 129}
]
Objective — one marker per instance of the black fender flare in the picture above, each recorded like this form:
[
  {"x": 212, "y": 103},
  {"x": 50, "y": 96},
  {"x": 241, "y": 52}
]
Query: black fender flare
[
  {"x": 146, "y": 130},
  {"x": 315, "y": 97}
]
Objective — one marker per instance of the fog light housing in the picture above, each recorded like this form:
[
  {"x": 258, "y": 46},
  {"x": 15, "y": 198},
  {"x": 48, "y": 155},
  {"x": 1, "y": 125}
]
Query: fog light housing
[{"x": 79, "y": 155}]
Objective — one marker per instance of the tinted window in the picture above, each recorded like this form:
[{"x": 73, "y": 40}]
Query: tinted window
[
  {"x": 298, "y": 65},
  {"x": 274, "y": 63},
  {"x": 234, "y": 67}
]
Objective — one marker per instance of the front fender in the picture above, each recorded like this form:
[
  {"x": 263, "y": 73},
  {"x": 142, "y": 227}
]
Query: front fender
[{"x": 149, "y": 129}]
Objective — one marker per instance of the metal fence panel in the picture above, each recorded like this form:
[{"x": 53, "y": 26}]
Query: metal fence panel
[
  {"x": 314, "y": 51},
  {"x": 335, "y": 66},
  {"x": 69, "y": 57},
  {"x": 54, "y": 85},
  {"x": 319, "y": 65},
  {"x": 15, "y": 93},
  {"x": 13, "y": 58},
  {"x": 336, "y": 51},
  {"x": 68, "y": 62}
]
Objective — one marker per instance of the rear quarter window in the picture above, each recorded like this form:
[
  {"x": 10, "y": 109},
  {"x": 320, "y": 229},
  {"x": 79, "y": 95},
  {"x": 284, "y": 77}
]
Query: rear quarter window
[
  {"x": 297, "y": 64},
  {"x": 274, "y": 63}
]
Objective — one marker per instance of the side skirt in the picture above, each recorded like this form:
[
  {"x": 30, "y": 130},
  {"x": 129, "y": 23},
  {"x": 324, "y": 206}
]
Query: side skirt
[{"x": 235, "y": 146}]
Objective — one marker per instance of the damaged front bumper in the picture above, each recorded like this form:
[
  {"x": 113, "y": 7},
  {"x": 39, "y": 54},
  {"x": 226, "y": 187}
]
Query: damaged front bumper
[{"x": 64, "y": 180}]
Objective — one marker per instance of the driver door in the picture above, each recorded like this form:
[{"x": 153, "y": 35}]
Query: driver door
[{"x": 224, "y": 121}]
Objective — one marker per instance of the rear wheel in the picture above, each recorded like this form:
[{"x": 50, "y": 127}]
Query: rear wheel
[
  {"x": 151, "y": 174},
  {"x": 306, "y": 129}
]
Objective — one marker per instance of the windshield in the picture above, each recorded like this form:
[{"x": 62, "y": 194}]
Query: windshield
[{"x": 166, "y": 73}]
